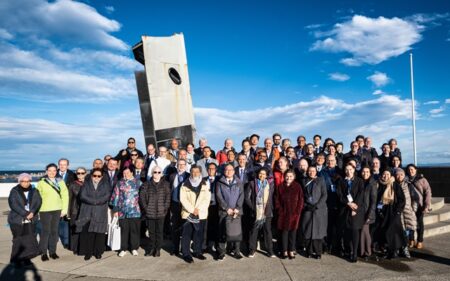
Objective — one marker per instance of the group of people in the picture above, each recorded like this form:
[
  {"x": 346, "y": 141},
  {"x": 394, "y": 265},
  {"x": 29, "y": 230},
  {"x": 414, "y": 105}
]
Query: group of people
[{"x": 310, "y": 198}]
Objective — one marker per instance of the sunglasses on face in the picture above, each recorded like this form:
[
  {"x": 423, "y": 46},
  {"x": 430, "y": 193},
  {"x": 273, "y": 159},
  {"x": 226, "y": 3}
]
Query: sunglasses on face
[
  {"x": 96, "y": 176},
  {"x": 134, "y": 155},
  {"x": 157, "y": 172},
  {"x": 81, "y": 173}
]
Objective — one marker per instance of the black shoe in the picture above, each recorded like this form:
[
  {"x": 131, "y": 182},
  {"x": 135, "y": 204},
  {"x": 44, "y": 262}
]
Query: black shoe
[
  {"x": 175, "y": 253},
  {"x": 221, "y": 257},
  {"x": 318, "y": 257},
  {"x": 199, "y": 256},
  {"x": 353, "y": 259},
  {"x": 54, "y": 256},
  {"x": 291, "y": 257},
  {"x": 98, "y": 256},
  {"x": 188, "y": 259},
  {"x": 238, "y": 256},
  {"x": 150, "y": 253},
  {"x": 157, "y": 253},
  {"x": 44, "y": 257},
  {"x": 283, "y": 257},
  {"x": 87, "y": 257}
]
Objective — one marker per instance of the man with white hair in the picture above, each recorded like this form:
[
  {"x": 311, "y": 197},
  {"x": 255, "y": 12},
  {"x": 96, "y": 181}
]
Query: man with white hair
[{"x": 202, "y": 143}]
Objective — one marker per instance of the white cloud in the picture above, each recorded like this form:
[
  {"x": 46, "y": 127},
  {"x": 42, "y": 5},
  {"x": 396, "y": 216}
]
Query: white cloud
[
  {"x": 109, "y": 9},
  {"x": 377, "y": 92},
  {"x": 370, "y": 40},
  {"x": 65, "y": 19},
  {"x": 379, "y": 79},
  {"x": 4, "y": 34},
  {"x": 447, "y": 101},
  {"x": 336, "y": 76},
  {"x": 431, "y": 102},
  {"x": 437, "y": 111}
]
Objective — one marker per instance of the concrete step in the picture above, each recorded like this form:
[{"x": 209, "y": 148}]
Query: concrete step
[
  {"x": 437, "y": 203},
  {"x": 437, "y": 228},
  {"x": 442, "y": 214}
]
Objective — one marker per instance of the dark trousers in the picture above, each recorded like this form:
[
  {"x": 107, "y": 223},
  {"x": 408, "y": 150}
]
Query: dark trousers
[
  {"x": 351, "y": 237},
  {"x": 91, "y": 243},
  {"x": 193, "y": 232},
  {"x": 176, "y": 225},
  {"x": 223, "y": 243},
  {"x": 63, "y": 232},
  {"x": 155, "y": 232},
  {"x": 333, "y": 238},
  {"x": 288, "y": 240},
  {"x": 130, "y": 233},
  {"x": 420, "y": 228},
  {"x": 211, "y": 231},
  {"x": 49, "y": 232},
  {"x": 314, "y": 246},
  {"x": 267, "y": 232}
]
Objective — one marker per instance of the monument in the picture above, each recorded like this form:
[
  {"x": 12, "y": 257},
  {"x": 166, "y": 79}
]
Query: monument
[{"x": 163, "y": 89}]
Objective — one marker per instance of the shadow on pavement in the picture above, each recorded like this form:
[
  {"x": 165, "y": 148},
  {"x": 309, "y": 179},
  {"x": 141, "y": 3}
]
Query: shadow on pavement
[{"x": 20, "y": 273}]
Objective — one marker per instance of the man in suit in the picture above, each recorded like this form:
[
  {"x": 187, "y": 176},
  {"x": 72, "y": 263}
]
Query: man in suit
[
  {"x": 202, "y": 143},
  {"x": 176, "y": 180},
  {"x": 211, "y": 235},
  {"x": 139, "y": 170},
  {"x": 112, "y": 174},
  {"x": 69, "y": 177},
  {"x": 150, "y": 156},
  {"x": 207, "y": 158}
]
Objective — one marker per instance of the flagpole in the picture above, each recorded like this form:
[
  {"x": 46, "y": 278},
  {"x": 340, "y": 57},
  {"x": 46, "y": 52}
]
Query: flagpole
[{"x": 413, "y": 109}]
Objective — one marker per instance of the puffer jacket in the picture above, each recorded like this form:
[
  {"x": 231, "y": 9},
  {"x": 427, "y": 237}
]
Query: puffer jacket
[
  {"x": 154, "y": 199},
  {"x": 409, "y": 220},
  {"x": 423, "y": 191}
]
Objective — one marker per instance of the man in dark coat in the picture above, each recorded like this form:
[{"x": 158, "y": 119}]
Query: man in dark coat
[
  {"x": 112, "y": 174},
  {"x": 362, "y": 157},
  {"x": 125, "y": 154},
  {"x": 69, "y": 177},
  {"x": 230, "y": 200}
]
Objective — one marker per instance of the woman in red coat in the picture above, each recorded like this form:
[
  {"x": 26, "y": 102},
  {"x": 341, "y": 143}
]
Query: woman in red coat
[{"x": 289, "y": 204}]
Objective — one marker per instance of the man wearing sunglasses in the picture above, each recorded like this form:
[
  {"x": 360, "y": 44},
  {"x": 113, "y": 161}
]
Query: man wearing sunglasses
[{"x": 125, "y": 154}]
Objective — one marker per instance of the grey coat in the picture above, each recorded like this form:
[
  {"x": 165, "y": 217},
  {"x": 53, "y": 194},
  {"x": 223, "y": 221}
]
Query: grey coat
[
  {"x": 94, "y": 206},
  {"x": 17, "y": 204},
  {"x": 314, "y": 220}
]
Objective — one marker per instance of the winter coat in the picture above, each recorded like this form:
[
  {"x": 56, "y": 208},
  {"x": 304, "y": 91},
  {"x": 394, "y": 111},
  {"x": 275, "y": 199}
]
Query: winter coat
[
  {"x": 203, "y": 163},
  {"x": 154, "y": 199},
  {"x": 345, "y": 213},
  {"x": 74, "y": 200},
  {"x": 388, "y": 225},
  {"x": 222, "y": 157},
  {"x": 423, "y": 190},
  {"x": 370, "y": 200},
  {"x": 331, "y": 178},
  {"x": 16, "y": 202},
  {"x": 190, "y": 199},
  {"x": 125, "y": 198},
  {"x": 409, "y": 219},
  {"x": 69, "y": 177},
  {"x": 94, "y": 206},
  {"x": 278, "y": 177},
  {"x": 314, "y": 221},
  {"x": 250, "y": 199},
  {"x": 229, "y": 196},
  {"x": 51, "y": 199},
  {"x": 289, "y": 205}
]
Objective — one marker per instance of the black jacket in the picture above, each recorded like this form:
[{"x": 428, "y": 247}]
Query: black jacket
[
  {"x": 370, "y": 200},
  {"x": 74, "y": 200},
  {"x": 69, "y": 177},
  {"x": 154, "y": 199},
  {"x": 17, "y": 202},
  {"x": 357, "y": 193},
  {"x": 250, "y": 199}
]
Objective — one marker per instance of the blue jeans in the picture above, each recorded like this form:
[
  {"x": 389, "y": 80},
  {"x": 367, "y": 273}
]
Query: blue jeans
[{"x": 63, "y": 232}]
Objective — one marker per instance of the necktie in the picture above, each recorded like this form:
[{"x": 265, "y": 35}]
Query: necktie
[{"x": 241, "y": 174}]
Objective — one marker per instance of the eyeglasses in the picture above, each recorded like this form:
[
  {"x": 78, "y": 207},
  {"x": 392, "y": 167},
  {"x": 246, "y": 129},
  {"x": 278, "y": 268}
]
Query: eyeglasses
[
  {"x": 96, "y": 176},
  {"x": 277, "y": 139},
  {"x": 26, "y": 181},
  {"x": 134, "y": 155},
  {"x": 131, "y": 142},
  {"x": 81, "y": 173},
  {"x": 157, "y": 172}
]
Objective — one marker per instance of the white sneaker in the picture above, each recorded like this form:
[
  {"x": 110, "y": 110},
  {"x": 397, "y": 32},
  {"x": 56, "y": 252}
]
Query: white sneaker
[
  {"x": 135, "y": 253},
  {"x": 122, "y": 254}
]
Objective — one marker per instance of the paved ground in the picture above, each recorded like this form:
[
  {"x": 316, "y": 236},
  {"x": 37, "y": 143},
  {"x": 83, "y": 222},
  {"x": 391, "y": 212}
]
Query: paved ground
[{"x": 432, "y": 263}]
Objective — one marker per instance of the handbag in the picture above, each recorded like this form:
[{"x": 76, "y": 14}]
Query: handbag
[
  {"x": 233, "y": 229},
  {"x": 114, "y": 234},
  {"x": 25, "y": 246}
]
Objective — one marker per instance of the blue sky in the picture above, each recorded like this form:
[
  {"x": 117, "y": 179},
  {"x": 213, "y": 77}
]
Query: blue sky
[{"x": 338, "y": 69}]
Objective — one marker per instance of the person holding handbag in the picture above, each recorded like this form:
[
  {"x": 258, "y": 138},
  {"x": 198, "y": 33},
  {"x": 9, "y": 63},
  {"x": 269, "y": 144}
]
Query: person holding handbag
[
  {"x": 24, "y": 202},
  {"x": 55, "y": 204},
  {"x": 230, "y": 199}
]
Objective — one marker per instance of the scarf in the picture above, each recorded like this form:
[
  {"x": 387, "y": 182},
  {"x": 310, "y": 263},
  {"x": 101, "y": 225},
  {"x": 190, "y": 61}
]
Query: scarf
[
  {"x": 388, "y": 194},
  {"x": 22, "y": 194},
  {"x": 262, "y": 196},
  {"x": 195, "y": 182}
]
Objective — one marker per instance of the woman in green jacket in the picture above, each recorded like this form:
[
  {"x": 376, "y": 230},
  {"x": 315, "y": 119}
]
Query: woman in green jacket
[{"x": 55, "y": 203}]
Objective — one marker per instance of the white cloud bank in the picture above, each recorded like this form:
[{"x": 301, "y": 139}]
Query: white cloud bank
[
  {"x": 370, "y": 40},
  {"x": 336, "y": 76}
]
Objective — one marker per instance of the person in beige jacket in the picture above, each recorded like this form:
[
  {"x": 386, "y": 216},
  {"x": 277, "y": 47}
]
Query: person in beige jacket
[{"x": 195, "y": 196}]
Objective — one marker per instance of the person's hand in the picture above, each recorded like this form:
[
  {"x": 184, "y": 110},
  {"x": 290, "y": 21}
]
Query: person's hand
[
  {"x": 30, "y": 216},
  {"x": 236, "y": 211},
  {"x": 63, "y": 214},
  {"x": 230, "y": 212},
  {"x": 196, "y": 211},
  {"x": 124, "y": 152},
  {"x": 353, "y": 213},
  {"x": 116, "y": 214}
]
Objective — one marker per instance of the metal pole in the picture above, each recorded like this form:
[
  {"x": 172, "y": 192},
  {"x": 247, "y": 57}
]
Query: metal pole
[{"x": 413, "y": 109}]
